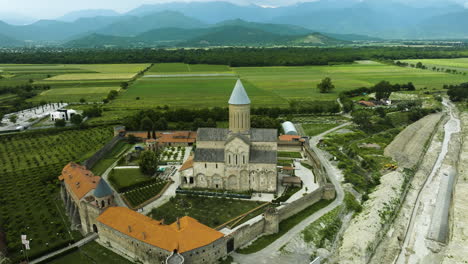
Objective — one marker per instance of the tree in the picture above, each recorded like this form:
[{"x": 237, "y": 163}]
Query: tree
[
  {"x": 147, "y": 124},
  {"x": 82, "y": 100},
  {"x": 326, "y": 85},
  {"x": 76, "y": 119},
  {"x": 149, "y": 161},
  {"x": 112, "y": 95},
  {"x": 124, "y": 85},
  {"x": 13, "y": 118},
  {"x": 60, "y": 123},
  {"x": 383, "y": 90},
  {"x": 363, "y": 120},
  {"x": 93, "y": 112}
]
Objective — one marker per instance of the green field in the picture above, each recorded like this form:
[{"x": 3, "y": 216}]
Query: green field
[
  {"x": 29, "y": 166},
  {"x": 458, "y": 64},
  {"x": 316, "y": 129},
  {"x": 186, "y": 68},
  {"x": 71, "y": 82},
  {"x": 271, "y": 86}
]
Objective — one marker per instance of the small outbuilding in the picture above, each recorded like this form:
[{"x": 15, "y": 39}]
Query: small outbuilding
[
  {"x": 289, "y": 128},
  {"x": 64, "y": 114}
]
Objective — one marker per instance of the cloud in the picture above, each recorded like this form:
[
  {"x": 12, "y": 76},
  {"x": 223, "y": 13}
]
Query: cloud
[{"x": 466, "y": 5}]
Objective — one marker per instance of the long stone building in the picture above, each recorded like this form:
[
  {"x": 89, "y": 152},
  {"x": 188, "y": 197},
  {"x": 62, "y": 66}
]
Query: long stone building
[{"x": 240, "y": 158}]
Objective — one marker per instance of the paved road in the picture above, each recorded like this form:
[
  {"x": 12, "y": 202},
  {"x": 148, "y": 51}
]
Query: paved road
[
  {"x": 271, "y": 254},
  {"x": 77, "y": 244}
]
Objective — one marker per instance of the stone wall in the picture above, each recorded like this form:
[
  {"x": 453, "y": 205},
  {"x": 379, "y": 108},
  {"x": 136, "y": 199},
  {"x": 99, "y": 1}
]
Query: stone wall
[
  {"x": 295, "y": 207},
  {"x": 248, "y": 231},
  {"x": 141, "y": 252},
  {"x": 89, "y": 163}
]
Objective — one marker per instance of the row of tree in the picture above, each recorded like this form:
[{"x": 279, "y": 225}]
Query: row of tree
[
  {"x": 457, "y": 93},
  {"x": 287, "y": 56}
]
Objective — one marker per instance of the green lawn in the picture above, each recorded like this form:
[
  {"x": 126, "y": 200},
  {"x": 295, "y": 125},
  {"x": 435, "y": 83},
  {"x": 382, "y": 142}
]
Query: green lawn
[
  {"x": 90, "y": 253},
  {"x": 209, "y": 211},
  {"x": 316, "y": 129},
  {"x": 127, "y": 177},
  {"x": 102, "y": 165}
]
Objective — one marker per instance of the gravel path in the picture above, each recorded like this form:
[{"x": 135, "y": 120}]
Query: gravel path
[{"x": 271, "y": 254}]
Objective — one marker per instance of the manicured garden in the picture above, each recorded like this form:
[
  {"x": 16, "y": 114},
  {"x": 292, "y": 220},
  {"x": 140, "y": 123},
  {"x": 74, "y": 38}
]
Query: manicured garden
[
  {"x": 30, "y": 164},
  {"x": 141, "y": 192},
  {"x": 207, "y": 210}
]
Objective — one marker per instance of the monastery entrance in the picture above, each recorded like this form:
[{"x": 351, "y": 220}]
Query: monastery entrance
[
  {"x": 230, "y": 245},
  {"x": 95, "y": 230}
]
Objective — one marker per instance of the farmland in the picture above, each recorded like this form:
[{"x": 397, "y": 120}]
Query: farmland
[
  {"x": 30, "y": 164},
  {"x": 270, "y": 86},
  {"x": 71, "y": 82},
  {"x": 187, "y": 68},
  {"x": 457, "y": 64}
]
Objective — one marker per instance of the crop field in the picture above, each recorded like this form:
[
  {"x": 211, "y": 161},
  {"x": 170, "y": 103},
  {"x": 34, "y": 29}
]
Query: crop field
[
  {"x": 460, "y": 64},
  {"x": 271, "y": 86},
  {"x": 187, "y": 68},
  {"x": 29, "y": 201},
  {"x": 150, "y": 189},
  {"x": 70, "y": 82},
  {"x": 91, "y": 76}
]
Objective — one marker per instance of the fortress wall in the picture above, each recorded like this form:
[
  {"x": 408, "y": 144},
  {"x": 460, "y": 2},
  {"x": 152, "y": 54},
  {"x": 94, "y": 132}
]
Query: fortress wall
[
  {"x": 295, "y": 207},
  {"x": 130, "y": 247},
  {"x": 247, "y": 232}
]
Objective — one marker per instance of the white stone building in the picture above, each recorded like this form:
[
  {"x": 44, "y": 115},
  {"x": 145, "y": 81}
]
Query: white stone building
[
  {"x": 239, "y": 158},
  {"x": 65, "y": 114}
]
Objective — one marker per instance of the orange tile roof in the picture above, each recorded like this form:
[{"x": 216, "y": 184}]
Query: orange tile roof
[
  {"x": 288, "y": 137},
  {"x": 190, "y": 235},
  {"x": 367, "y": 103},
  {"x": 79, "y": 180},
  {"x": 187, "y": 164}
]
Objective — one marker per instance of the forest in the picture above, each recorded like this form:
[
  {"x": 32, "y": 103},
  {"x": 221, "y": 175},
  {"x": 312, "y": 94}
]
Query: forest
[{"x": 234, "y": 57}]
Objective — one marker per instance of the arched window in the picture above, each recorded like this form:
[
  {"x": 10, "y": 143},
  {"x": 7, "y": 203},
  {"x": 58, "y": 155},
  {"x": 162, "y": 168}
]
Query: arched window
[
  {"x": 216, "y": 165},
  {"x": 205, "y": 165},
  {"x": 103, "y": 203},
  {"x": 108, "y": 201},
  {"x": 243, "y": 159},
  {"x": 236, "y": 159},
  {"x": 229, "y": 158}
]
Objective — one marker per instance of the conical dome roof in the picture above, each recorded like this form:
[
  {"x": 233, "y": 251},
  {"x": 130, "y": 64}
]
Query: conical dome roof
[
  {"x": 102, "y": 189},
  {"x": 239, "y": 95}
]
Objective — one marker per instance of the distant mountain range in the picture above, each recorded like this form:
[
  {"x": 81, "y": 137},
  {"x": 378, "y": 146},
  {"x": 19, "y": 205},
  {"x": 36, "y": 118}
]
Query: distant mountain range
[
  {"x": 229, "y": 33},
  {"x": 324, "y": 22}
]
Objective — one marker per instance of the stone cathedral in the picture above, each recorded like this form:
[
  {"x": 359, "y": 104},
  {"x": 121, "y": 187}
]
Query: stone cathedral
[{"x": 239, "y": 158}]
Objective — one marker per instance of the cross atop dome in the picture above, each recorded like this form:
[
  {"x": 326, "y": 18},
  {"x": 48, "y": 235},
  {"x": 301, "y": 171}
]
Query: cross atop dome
[{"x": 239, "y": 95}]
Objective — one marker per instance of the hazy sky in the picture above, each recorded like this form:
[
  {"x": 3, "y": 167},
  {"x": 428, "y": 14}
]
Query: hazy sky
[{"x": 56, "y": 8}]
